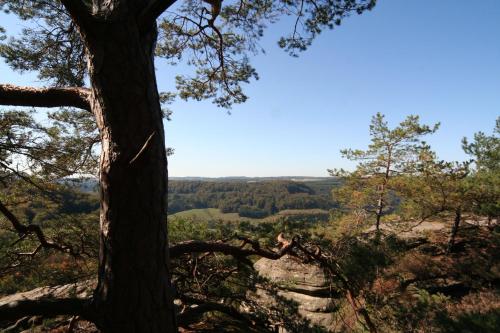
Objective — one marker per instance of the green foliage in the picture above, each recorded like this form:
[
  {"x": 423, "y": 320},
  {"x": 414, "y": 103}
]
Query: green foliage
[
  {"x": 484, "y": 322},
  {"x": 52, "y": 47},
  {"x": 437, "y": 186},
  {"x": 35, "y": 155},
  {"x": 61, "y": 147},
  {"x": 421, "y": 311},
  {"x": 360, "y": 260},
  {"x": 485, "y": 149},
  {"x": 181, "y": 229},
  {"x": 390, "y": 150},
  {"x": 72, "y": 220},
  {"x": 484, "y": 193}
]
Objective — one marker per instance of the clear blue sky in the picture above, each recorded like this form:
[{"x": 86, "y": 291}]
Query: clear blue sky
[{"x": 438, "y": 59}]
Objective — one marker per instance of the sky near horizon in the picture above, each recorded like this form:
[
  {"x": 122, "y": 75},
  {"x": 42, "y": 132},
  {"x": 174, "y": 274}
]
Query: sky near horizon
[{"x": 437, "y": 59}]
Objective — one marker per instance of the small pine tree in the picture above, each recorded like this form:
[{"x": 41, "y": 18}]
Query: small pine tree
[{"x": 392, "y": 152}]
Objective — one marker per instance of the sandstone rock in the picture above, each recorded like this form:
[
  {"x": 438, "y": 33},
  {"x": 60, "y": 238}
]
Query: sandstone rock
[{"x": 303, "y": 285}]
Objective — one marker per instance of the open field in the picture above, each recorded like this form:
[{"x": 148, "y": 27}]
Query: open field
[
  {"x": 214, "y": 214},
  {"x": 209, "y": 214}
]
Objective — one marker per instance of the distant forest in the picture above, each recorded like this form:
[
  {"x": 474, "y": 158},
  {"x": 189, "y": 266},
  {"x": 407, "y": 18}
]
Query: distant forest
[{"x": 250, "y": 199}]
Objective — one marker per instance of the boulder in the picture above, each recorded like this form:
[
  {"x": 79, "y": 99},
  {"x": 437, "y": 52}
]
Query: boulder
[{"x": 301, "y": 286}]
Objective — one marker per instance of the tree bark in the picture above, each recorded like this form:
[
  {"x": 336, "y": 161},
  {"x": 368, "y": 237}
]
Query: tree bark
[{"x": 134, "y": 292}]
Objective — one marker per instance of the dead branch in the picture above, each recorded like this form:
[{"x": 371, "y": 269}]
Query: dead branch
[{"x": 236, "y": 251}]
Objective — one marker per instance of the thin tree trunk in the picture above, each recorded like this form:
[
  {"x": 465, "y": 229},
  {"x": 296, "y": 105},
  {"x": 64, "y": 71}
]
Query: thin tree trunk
[
  {"x": 380, "y": 202},
  {"x": 489, "y": 223},
  {"x": 380, "y": 207},
  {"x": 133, "y": 292},
  {"x": 454, "y": 230}
]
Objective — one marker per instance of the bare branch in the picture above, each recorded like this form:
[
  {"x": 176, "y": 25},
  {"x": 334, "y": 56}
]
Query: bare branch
[{"x": 45, "y": 97}]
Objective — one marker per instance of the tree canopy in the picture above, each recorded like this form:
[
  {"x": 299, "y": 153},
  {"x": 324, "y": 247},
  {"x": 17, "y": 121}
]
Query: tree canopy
[{"x": 216, "y": 38}]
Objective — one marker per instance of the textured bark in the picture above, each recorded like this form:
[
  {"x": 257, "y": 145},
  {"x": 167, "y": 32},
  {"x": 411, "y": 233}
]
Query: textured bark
[{"x": 133, "y": 292}]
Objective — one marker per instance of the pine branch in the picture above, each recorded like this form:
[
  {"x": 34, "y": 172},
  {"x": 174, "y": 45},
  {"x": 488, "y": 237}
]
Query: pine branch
[{"x": 45, "y": 97}]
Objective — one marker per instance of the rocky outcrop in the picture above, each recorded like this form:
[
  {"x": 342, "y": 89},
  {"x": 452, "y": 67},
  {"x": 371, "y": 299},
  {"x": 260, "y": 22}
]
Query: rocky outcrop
[{"x": 302, "y": 287}]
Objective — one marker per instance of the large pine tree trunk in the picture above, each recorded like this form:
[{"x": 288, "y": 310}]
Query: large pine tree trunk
[{"x": 134, "y": 292}]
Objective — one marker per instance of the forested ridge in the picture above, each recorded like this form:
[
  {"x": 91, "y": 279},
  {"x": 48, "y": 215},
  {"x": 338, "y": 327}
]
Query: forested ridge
[
  {"x": 259, "y": 197},
  {"x": 255, "y": 199}
]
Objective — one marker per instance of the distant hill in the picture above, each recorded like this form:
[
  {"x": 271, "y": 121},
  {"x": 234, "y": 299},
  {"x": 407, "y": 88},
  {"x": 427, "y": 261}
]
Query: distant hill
[
  {"x": 254, "y": 179},
  {"x": 83, "y": 184},
  {"x": 91, "y": 184},
  {"x": 252, "y": 197}
]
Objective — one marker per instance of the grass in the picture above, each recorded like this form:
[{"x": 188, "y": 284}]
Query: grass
[
  {"x": 209, "y": 214},
  {"x": 214, "y": 214}
]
